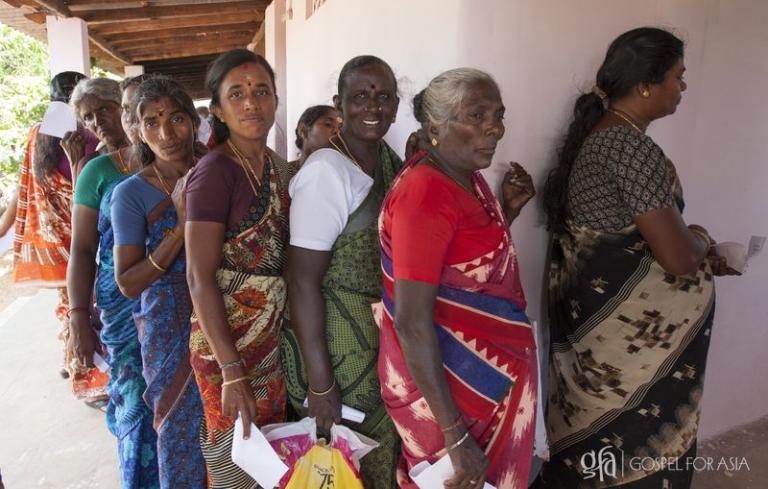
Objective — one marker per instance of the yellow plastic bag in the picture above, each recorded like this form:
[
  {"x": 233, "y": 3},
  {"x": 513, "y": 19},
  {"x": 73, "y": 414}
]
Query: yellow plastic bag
[{"x": 323, "y": 467}]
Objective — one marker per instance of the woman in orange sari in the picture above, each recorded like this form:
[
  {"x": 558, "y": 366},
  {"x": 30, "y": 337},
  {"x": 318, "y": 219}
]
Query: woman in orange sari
[{"x": 44, "y": 228}]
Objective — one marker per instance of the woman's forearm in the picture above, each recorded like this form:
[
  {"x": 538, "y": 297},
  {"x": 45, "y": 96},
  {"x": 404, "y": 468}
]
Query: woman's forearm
[
  {"x": 81, "y": 274},
  {"x": 209, "y": 307},
  {"x": 307, "y": 308},
  {"x": 143, "y": 272},
  {"x": 425, "y": 364}
]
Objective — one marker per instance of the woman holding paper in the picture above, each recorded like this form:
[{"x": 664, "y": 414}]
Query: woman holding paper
[
  {"x": 458, "y": 359},
  {"x": 632, "y": 296},
  {"x": 330, "y": 344},
  {"x": 128, "y": 417},
  {"x": 235, "y": 238},
  {"x": 42, "y": 210}
]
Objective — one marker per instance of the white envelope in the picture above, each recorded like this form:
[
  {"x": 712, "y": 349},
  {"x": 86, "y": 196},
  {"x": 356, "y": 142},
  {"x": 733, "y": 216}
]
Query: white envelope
[
  {"x": 735, "y": 254},
  {"x": 58, "y": 120},
  {"x": 257, "y": 457},
  {"x": 428, "y": 476}
]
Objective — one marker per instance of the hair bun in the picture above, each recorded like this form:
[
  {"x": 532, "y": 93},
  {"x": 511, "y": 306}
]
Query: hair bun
[{"x": 418, "y": 107}]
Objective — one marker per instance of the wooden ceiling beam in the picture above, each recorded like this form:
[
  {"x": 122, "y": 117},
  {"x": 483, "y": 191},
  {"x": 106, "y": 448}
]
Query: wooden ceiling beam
[
  {"x": 212, "y": 49},
  {"x": 95, "y": 17},
  {"x": 188, "y": 38},
  {"x": 169, "y": 44},
  {"x": 201, "y": 23},
  {"x": 57, "y": 7},
  {"x": 130, "y": 37}
]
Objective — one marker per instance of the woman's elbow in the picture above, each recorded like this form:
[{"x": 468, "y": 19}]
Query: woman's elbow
[{"x": 127, "y": 290}]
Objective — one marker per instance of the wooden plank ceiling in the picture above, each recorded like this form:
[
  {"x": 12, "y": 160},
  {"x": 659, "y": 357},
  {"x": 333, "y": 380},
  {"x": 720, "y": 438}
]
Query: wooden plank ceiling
[{"x": 175, "y": 37}]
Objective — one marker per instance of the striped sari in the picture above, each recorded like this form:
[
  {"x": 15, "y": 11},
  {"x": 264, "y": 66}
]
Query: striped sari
[
  {"x": 489, "y": 357},
  {"x": 251, "y": 283},
  {"x": 128, "y": 416},
  {"x": 41, "y": 253}
]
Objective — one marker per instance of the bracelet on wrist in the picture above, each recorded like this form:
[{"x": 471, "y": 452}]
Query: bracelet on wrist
[
  {"x": 154, "y": 263},
  {"x": 453, "y": 425},
  {"x": 233, "y": 381},
  {"x": 75, "y": 309},
  {"x": 326, "y": 391},
  {"x": 236, "y": 363},
  {"x": 458, "y": 443}
]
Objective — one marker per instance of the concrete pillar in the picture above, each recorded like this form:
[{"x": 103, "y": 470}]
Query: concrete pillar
[
  {"x": 275, "y": 53},
  {"x": 133, "y": 70},
  {"x": 68, "y": 45}
]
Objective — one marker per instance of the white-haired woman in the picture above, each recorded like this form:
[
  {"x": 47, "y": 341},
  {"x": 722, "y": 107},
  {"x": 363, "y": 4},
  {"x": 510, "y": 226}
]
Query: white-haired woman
[
  {"x": 457, "y": 357},
  {"x": 97, "y": 103}
]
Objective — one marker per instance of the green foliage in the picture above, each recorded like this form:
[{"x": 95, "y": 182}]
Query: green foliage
[{"x": 24, "y": 79}]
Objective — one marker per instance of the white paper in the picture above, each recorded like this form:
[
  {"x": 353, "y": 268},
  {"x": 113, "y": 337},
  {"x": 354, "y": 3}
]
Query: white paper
[
  {"x": 735, "y": 254},
  {"x": 540, "y": 441},
  {"x": 59, "y": 119},
  {"x": 428, "y": 476},
  {"x": 348, "y": 413},
  {"x": 204, "y": 131},
  {"x": 100, "y": 363},
  {"x": 756, "y": 244},
  {"x": 257, "y": 457}
]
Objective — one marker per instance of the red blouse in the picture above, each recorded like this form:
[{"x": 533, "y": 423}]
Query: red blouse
[{"x": 433, "y": 221}]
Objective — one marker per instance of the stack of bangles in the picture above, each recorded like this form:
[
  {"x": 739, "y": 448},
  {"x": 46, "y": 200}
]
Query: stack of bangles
[
  {"x": 453, "y": 426},
  {"x": 236, "y": 363},
  {"x": 703, "y": 237}
]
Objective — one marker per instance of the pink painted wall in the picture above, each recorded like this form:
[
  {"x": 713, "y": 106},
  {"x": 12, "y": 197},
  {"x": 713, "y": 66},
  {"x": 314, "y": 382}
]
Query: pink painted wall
[{"x": 542, "y": 52}]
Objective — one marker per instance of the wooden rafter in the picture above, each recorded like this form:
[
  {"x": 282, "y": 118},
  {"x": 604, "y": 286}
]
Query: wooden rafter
[
  {"x": 130, "y": 37},
  {"x": 186, "y": 41},
  {"x": 154, "y": 54},
  {"x": 144, "y": 14},
  {"x": 201, "y": 22}
]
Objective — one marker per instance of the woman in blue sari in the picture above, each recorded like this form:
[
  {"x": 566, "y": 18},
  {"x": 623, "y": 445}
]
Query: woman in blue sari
[
  {"x": 148, "y": 219},
  {"x": 98, "y": 103}
]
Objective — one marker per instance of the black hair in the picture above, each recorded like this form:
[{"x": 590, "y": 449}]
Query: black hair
[
  {"x": 151, "y": 90},
  {"x": 308, "y": 118},
  {"x": 360, "y": 62},
  {"x": 215, "y": 76},
  {"x": 642, "y": 55},
  {"x": 46, "y": 149},
  {"x": 135, "y": 80}
]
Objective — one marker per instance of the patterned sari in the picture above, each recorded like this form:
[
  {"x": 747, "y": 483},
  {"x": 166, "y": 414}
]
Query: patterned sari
[
  {"x": 163, "y": 323},
  {"x": 628, "y": 351},
  {"x": 251, "y": 282},
  {"x": 41, "y": 252},
  {"x": 128, "y": 416},
  {"x": 489, "y": 357},
  {"x": 351, "y": 284}
]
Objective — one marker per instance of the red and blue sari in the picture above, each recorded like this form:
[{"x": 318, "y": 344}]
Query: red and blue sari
[{"x": 489, "y": 356}]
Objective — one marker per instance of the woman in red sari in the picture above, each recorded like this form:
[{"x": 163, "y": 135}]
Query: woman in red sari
[{"x": 457, "y": 360}]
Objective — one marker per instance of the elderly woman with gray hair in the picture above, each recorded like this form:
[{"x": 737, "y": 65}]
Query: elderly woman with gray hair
[
  {"x": 457, "y": 357},
  {"x": 97, "y": 103}
]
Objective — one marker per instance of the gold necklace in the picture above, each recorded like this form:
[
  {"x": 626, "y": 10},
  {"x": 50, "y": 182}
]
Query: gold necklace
[
  {"x": 346, "y": 152},
  {"x": 163, "y": 183},
  {"x": 627, "y": 118},
  {"x": 124, "y": 169},
  {"x": 245, "y": 162}
]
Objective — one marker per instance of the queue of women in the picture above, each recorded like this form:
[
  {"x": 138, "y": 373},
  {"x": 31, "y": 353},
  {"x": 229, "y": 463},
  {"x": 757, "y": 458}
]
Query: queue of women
[{"x": 231, "y": 283}]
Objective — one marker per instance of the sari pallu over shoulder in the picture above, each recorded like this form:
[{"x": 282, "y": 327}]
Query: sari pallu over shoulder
[
  {"x": 163, "y": 324},
  {"x": 489, "y": 356}
]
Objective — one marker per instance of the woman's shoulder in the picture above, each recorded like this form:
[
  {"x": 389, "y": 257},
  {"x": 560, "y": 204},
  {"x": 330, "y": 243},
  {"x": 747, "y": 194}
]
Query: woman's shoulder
[{"x": 326, "y": 164}]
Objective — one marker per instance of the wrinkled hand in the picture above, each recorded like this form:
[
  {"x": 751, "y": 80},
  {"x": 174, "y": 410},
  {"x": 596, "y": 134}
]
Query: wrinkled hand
[
  {"x": 82, "y": 341},
  {"x": 179, "y": 199},
  {"x": 237, "y": 399},
  {"x": 516, "y": 189},
  {"x": 416, "y": 142},
  {"x": 73, "y": 144},
  {"x": 326, "y": 409},
  {"x": 469, "y": 464}
]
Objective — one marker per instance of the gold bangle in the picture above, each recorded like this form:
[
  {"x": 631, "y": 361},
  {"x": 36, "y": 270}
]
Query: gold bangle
[
  {"x": 233, "y": 381},
  {"x": 333, "y": 384},
  {"x": 703, "y": 237},
  {"x": 154, "y": 263}
]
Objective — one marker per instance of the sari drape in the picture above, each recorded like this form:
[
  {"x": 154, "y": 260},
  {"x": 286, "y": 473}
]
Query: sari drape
[{"x": 488, "y": 352}]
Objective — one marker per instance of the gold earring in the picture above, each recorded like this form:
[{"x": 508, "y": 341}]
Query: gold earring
[
  {"x": 434, "y": 142},
  {"x": 339, "y": 119},
  {"x": 646, "y": 93}
]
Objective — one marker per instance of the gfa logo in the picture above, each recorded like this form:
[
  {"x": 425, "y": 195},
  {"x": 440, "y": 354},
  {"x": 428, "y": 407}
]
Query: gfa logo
[{"x": 602, "y": 464}]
